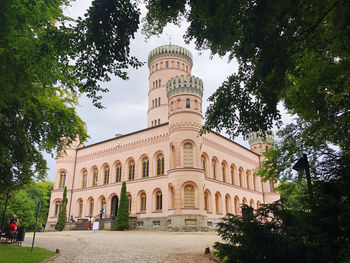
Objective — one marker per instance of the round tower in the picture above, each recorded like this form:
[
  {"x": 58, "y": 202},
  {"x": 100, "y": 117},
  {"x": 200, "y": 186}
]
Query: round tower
[
  {"x": 164, "y": 62},
  {"x": 259, "y": 142}
]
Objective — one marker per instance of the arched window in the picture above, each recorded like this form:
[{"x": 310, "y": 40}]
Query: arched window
[
  {"x": 257, "y": 205},
  {"x": 272, "y": 187},
  {"x": 160, "y": 164},
  {"x": 106, "y": 178},
  {"x": 232, "y": 175},
  {"x": 143, "y": 202},
  {"x": 57, "y": 208},
  {"x": 155, "y": 102},
  {"x": 227, "y": 204},
  {"x": 159, "y": 97},
  {"x": 178, "y": 64},
  {"x": 84, "y": 183},
  {"x": 248, "y": 179},
  {"x": 173, "y": 157},
  {"x": 217, "y": 203},
  {"x": 91, "y": 208},
  {"x": 152, "y": 123},
  {"x": 156, "y": 66},
  {"x": 159, "y": 200},
  {"x": 188, "y": 155},
  {"x": 236, "y": 205},
  {"x": 145, "y": 167},
  {"x": 131, "y": 170},
  {"x": 95, "y": 177},
  {"x": 244, "y": 201},
  {"x": 118, "y": 173},
  {"x": 213, "y": 164},
  {"x": 186, "y": 68},
  {"x": 80, "y": 211},
  {"x": 172, "y": 203},
  {"x": 159, "y": 82},
  {"x": 166, "y": 64},
  {"x": 103, "y": 208},
  {"x": 129, "y": 199},
  {"x": 254, "y": 182},
  {"x": 188, "y": 103},
  {"x": 158, "y": 121},
  {"x": 251, "y": 203},
  {"x": 223, "y": 168},
  {"x": 189, "y": 196},
  {"x": 62, "y": 182},
  {"x": 206, "y": 201},
  {"x": 240, "y": 177}
]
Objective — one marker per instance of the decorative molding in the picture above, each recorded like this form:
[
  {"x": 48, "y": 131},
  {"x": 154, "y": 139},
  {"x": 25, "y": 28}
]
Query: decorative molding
[
  {"x": 258, "y": 137},
  {"x": 180, "y": 85},
  {"x": 170, "y": 51}
]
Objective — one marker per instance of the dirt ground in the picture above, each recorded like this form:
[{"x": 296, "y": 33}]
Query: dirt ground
[{"x": 127, "y": 246}]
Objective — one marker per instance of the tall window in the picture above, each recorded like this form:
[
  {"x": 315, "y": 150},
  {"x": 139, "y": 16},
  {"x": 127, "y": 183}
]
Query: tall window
[
  {"x": 223, "y": 168},
  {"x": 254, "y": 182},
  {"x": 167, "y": 64},
  {"x": 188, "y": 103},
  {"x": 57, "y": 208},
  {"x": 240, "y": 177},
  {"x": 84, "y": 179},
  {"x": 145, "y": 167},
  {"x": 158, "y": 121},
  {"x": 173, "y": 157},
  {"x": 232, "y": 175},
  {"x": 172, "y": 198},
  {"x": 160, "y": 164},
  {"x": 188, "y": 155},
  {"x": 95, "y": 177},
  {"x": 236, "y": 205},
  {"x": 178, "y": 65},
  {"x": 91, "y": 208},
  {"x": 159, "y": 98},
  {"x": 159, "y": 200},
  {"x": 129, "y": 199},
  {"x": 106, "y": 179},
  {"x": 143, "y": 202},
  {"x": 217, "y": 203},
  {"x": 248, "y": 179},
  {"x": 189, "y": 196},
  {"x": 159, "y": 82},
  {"x": 214, "y": 169},
  {"x": 80, "y": 213},
  {"x": 131, "y": 170},
  {"x": 118, "y": 173},
  {"x": 62, "y": 182},
  {"x": 227, "y": 204},
  {"x": 272, "y": 187},
  {"x": 206, "y": 201},
  {"x": 204, "y": 165}
]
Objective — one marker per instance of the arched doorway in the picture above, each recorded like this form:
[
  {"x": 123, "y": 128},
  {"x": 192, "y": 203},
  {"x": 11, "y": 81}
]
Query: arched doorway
[{"x": 114, "y": 206}]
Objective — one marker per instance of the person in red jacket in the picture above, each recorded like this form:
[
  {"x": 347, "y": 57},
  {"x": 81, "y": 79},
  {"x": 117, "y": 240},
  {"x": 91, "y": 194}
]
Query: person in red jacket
[{"x": 13, "y": 229}]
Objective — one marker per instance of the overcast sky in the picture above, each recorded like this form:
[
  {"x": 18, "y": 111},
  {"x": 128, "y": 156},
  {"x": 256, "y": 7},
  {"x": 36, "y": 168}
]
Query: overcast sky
[{"x": 126, "y": 103}]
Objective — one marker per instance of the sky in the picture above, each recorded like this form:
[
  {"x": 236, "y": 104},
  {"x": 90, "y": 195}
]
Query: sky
[{"x": 126, "y": 102}]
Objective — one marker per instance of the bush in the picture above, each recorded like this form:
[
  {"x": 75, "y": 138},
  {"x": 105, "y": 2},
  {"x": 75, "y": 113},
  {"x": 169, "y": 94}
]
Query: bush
[
  {"x": 122, "y": 220},
  {"x": 62, "y": 216}
]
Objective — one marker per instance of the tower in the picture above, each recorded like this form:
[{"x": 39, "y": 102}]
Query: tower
[
  {"x": 258, "y": 143},
  {"x": 164, "y": 62}
]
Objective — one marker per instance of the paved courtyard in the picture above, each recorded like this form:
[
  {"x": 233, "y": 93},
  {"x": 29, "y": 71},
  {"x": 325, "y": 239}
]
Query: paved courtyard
[{"x": 128, "y": 246}]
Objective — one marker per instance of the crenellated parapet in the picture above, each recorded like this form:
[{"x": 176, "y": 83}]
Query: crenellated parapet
[
  {"x": 184, "y": 84},
  {"x": 257, "y": 137},
  {"x": 170, "y": 51}
]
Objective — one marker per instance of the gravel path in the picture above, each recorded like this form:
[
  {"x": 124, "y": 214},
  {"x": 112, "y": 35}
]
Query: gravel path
[{"x": 128, "y": 246}]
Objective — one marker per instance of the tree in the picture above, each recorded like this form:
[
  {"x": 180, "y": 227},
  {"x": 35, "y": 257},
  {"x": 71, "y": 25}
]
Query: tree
[
  {"x": 122, "y": 220},
  {"x": 62, "y": 216},
  {"x": 46, "y": 61}
]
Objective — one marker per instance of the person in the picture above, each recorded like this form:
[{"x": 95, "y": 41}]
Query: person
[
  {"x": 13, "y": 229},
  {"x": 72, "y": 219},
  {"x": 44, "y": 225},
  {"x": 90, "y": 223}
]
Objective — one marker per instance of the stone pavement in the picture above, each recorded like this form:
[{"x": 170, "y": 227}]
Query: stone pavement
[{"x": 127, "y": 246}]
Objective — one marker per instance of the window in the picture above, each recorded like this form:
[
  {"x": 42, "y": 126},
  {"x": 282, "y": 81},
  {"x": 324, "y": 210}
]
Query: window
[
  {"x": 156, "y": 223},
  {"x": 160, "y": 164},
  {"x": 145, "y": 167},
  {"x": 95, "y": 177},
  {"x": 155, "y": 103},
  {"x": 257, "y": 205},
  {"x": 80, "y": 211},
  {"x": 159, "y": 98},
  {"x": 152, "y": 123},
  {"x": 186, "y": 68},
  {"x": 206, "y": 202},
  {"x": 272, "y": 187},
  {"x": 118, "y": 173},
  {"x": 251, "y": 203},
  {"x": 167, "y": 64},
  {"x": 178, "y": 65},
  {"x": 84, "y": 183},
  {"x": 173, "y": 157},
  {"x": 158, "y": 121},
  {"x": 188, "y": 103},
  {"x": 156, "y": 86},
  {"x": 91, "y": 208},
  {"x": 227, "y": 204},
  {"x": 106, "y": 179},
  {"x": 159, "y": 200},
  {"x": 214, "y": 169},
  {"x": 143, "y": 202},
  {"x": 156, "y": 66},
  {"x": 240, "y": 177},
  {"x": 172, "y": 198},
  {"x": 188, "y": 155},
  {"x": 159, "y": 82},
  {"x": 131, "y": 170},
  {"x": 217, "y": 203},
  {"x": 248, "y": 179},
  {"x": 223, "y": 173},
  {"x": 189, "y": 196},
  {"x": 129, "y": 199},
  {"x": 204, "y": 165},
  {"x": 57, "y": 208},
  {"x": 254, "y": 182},
  {"x": 62, "y": 182},
  {"x": 236, "y": 205}
]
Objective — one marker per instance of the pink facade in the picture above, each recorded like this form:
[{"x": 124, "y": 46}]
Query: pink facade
[{"x": 175, "y": 177}]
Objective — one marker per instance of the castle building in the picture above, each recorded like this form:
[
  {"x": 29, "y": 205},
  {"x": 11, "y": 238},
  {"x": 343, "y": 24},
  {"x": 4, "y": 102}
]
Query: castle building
[{"x": 176, "y": 178}]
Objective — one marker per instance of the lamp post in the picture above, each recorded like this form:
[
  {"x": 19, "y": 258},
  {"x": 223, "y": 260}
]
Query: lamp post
[
  {"x": 36, "y": 221},
  {"x": 303, "y": 164}
]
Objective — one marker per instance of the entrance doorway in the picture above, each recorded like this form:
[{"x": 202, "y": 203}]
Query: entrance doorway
[{"x": 114, "y": 207}]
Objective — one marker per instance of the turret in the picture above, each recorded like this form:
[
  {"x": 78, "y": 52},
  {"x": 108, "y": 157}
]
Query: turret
[
  {"x": 164, "y": 62},
  {"x": 260, "y": 142}
]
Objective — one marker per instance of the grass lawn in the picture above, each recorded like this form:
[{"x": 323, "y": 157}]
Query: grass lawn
[{"x": 14, "y": 254}]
